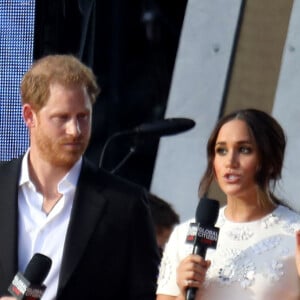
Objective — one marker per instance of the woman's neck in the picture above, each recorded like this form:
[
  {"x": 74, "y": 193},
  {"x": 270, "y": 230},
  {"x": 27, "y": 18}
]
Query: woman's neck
[{"x": 241, "y": 211}]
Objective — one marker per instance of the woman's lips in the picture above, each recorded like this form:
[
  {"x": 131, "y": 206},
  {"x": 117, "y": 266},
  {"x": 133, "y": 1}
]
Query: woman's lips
[{"x": 232, "y": 177}]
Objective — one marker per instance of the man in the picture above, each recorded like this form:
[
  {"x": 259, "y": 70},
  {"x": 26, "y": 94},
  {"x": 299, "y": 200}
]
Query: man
[{"x": 95, "y": 227}]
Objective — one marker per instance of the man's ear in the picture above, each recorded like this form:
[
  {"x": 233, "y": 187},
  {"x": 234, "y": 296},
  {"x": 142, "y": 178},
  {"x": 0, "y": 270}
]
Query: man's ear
[{"x": 28, "y": 115}]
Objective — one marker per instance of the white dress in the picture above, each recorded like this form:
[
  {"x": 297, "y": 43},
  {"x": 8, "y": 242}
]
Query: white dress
[{"x": 253, "y": 260}]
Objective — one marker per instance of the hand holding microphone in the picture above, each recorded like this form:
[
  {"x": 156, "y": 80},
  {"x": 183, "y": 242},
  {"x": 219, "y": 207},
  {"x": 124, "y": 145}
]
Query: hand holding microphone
[
  {"x": 191, "y": 273},
  {"x": 202, "y": 235},
  {"x": 30, "y": 284}
]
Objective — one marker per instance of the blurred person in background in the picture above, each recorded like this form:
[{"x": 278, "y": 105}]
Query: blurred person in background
[{"x": 164, "y": 218}]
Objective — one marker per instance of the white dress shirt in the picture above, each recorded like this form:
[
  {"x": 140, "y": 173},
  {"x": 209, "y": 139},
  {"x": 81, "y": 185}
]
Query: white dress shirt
[{"x": 42, "y": 233}]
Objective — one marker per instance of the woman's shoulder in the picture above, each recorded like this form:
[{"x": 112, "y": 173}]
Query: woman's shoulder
[{"x": 286, "y": 213}]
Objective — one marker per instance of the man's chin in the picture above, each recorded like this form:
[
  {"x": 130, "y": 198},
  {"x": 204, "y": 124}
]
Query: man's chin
[{"x": 67, "y": 161}]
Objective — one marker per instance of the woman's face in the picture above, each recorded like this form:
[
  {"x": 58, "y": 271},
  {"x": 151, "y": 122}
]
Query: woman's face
[{"x": 236, "y": 160}]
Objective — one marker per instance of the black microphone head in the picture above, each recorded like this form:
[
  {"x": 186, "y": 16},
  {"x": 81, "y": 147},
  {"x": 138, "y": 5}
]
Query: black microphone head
[
  {"x": 207, "y": 211},
  {"x": 165, "y": 127},
  {"x": 38, "y": 268}
]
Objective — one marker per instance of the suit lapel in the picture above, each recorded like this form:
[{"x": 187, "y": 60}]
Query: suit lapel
[
  {"x": 9, "y": 177},
  {"x": 87, "y": 208}
]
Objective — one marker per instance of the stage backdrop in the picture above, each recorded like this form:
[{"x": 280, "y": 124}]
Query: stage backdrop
[
  {"x": 232, "y": 54},
  {"x": 16, "y": 49}
]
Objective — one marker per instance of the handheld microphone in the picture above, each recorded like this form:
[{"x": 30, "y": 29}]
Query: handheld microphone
[
  {"x": 30, "y": 284},
  {"x": 162, "y": 127},
  {"x": 203, "y": 234}
]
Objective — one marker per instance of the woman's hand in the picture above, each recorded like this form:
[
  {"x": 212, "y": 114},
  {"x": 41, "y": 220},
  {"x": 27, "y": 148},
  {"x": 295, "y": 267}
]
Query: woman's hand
[{"x": 191, "y": 272}]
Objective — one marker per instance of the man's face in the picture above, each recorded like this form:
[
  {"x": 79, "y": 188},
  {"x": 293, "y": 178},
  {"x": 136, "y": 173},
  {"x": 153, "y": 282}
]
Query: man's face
[{"x": 62, "y": 128}]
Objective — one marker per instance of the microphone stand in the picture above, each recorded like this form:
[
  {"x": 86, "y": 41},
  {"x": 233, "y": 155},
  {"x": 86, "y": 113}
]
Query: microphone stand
[
  {"x": 132, "y": 150},
  {"x": 122, "y": 162},
  {"x": 156, "y": 129}
]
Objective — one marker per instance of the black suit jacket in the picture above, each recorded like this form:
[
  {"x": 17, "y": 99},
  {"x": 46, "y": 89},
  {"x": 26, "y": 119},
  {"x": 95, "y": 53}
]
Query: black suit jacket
[{"x": 110, "y": 250}]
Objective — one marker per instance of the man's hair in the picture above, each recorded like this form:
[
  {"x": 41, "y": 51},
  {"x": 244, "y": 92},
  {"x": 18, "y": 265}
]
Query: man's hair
[
  {"x": 66, "y": 70},
  {"x": 163, "y": 214}
]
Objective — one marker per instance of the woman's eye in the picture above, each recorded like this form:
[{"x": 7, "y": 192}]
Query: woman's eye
[
  {"x": 245, "y": 150},
  {"x": 221, "y": 151}
]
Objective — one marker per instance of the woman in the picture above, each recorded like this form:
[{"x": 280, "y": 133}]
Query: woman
[{"x": 255, "y": 255}]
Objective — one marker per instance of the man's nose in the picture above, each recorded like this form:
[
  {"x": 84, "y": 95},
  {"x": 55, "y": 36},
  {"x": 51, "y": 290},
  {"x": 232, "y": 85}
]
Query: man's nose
[{"x": 73, "y": 127}]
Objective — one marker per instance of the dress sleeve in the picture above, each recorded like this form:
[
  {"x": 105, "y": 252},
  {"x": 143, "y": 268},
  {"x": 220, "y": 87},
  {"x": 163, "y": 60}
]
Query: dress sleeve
[{"x": 167, "y": 272}]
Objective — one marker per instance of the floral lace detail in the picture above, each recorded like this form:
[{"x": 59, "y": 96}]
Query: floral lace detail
[
  {"x": 240, "y": 234},
  {"x": 266, "y": 245},
  {"x": 165, "y": 271},
  {"x": 240, "y": 267},
  {"x": 245, "y": 274},
  {"x": 270, "y": 220},
  {"x": 226, "y": 274},
  {"x": 274, "y": 271},
  {"x": 291, "y": 226},
  {"x": 233, "y": 254}
]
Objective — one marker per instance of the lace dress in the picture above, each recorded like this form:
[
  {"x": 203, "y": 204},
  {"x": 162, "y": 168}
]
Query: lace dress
[{"x": 253, "y": 260}]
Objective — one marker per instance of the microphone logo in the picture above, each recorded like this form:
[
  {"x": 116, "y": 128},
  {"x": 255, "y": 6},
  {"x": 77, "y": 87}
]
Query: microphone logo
[
  {"x": 202, "y": 235},
  {"x": 207, "y": 236},
  {"x": 192, "y": 233},
  {"x": 19, "y": 285},
  {"x": 30, "y": 284},
  {"x": 21, "y": 288}
]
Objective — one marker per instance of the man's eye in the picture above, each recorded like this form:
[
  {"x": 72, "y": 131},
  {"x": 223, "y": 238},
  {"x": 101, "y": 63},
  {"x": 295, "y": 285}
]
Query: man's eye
[
  {"x": 83, "y": 117},
  {"x": 59, "y": 118}
]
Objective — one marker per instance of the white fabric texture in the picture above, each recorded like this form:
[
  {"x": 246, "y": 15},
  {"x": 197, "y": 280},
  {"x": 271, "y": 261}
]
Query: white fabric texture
[
  {"x": 253, "y": 260},
  {"x": 42, "y": 233}
]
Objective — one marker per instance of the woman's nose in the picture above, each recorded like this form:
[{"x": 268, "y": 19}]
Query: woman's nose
[{"x": 232, "y": 159}]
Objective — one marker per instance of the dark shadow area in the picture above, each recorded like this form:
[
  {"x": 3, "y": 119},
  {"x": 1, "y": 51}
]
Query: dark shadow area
[{"x": 131, "y": 46}]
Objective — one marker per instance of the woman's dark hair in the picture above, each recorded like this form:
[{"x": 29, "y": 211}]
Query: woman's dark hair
[{"x": 270, "y": 140}]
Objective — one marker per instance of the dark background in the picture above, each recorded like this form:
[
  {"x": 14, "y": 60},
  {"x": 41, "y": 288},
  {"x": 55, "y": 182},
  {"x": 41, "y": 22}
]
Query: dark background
[{"x": 131, "y": 46}]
